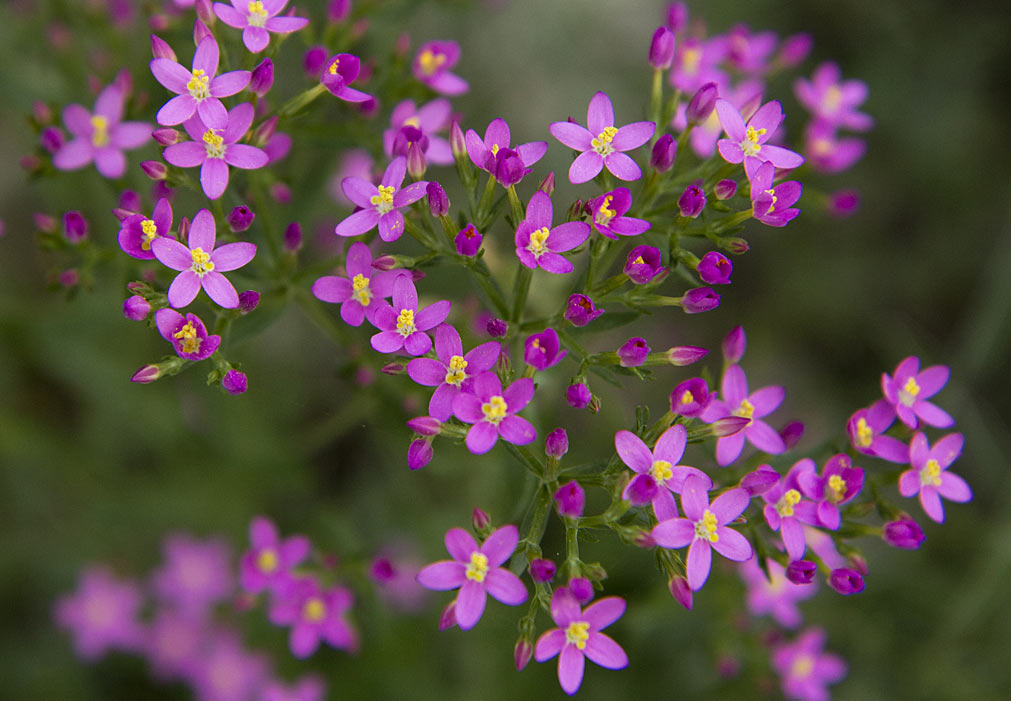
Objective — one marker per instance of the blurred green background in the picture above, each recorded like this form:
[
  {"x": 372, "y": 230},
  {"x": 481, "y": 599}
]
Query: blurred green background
[{"x": 95, "y": 469}]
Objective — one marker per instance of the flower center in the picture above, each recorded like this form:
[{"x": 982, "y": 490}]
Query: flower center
[
  {"x": 602, "y": 144},
  {"x": 690, "y": 60},
  {"x": 687, "y": 397},
  {"x": 314, "y": 610},
  {"x": 150, "y": 230},
  {"x": 188, "y": 335},
  {"x": 538, "y": 241},
  {"x": 786, "y": 502},
  {"x": 833, "y": 97},
  {"x": 414, "y": 121},
  {"x": 639, "y": 261},
  {"x": 430, "y": 62},
  {"x": 746, "y": 410},
  {"x": 384, "y": 200},
  {"x": 706, "y": 526},
  {"x": 907, "y": 395},
  {"x": 214, "y": 143},
  {"x": 257, "y": 14},
  {"x": 201, "y": 262},
  {"x": 360, "y": 290},
  {"x": 661, "y": 471},
  {"x": 836, "y": 490},
  {"x": 495, "y": 409},
  {"x": 100, "y": 130},
  {"x": 865, "y": 434},
  {"x": 457, "y": 371},
  {"x": 930, "y": 475},
  {"x": 802, "y": 666},
  {"x": 332, "y": 70},
  {"x": 771, "y": 193},
  {"x": 750, "y": 145},
  {"x": 405, "y": 322},
  {"x": 478, "y": 567},
  {"x": 577, "y": 634},
  {"x": 605, "y": 215},
  {"x": 198, "y": 85},
  {"x": 267, "y": 561}
]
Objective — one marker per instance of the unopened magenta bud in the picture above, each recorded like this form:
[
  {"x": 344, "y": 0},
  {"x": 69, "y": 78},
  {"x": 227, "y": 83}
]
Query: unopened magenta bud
[
  {"x": 417, "y": 164},
  {"x": 382, "y": 570},
  {"x": 640, "y": 490},
  {"x": 580, "y": 310},
  {"x": 240, "y": 219},
  {"x": 692, "y": 202},
  {"x": 161, "y": 49},
  {"x": 715, "y": 268},
  {"x": 447, "y": 619},
  {"x": 457, "y": 142},
  {"x": 556, "y": 444},
  {"x": 542, "y": 570},
  {"x": 200, "y": 32},
  {"x": 681, "y": 356},
  {"x": 235, "y": 382},
  {"x": 690, "y": 397},
  {"x": 263, "y": 78},
  {"x": 338, "y": 10},
  {"x": 52, "y": 139},
  {"x": 581, "y": 588},
  {"x": 578, "y": 396},
  {"x": 676, "y": 17},
  {"x": 644, "y": 539},
  {"x": 633, "y": 353},
  {"x": 166, "y": 136},
  {"x": 665, "y": 150},
  {"x": 728, "y": 426},
  {"x": 680, "y": 590},
  {"x": 736, "y": 245},
  {"x": 801, "y": 571},
  {"x": 844, "y": 203},
  {"x": 480, "y": 520},
  {"x": 904, "y": 533},
  {"x": 760, "y": 481},
  {"x": 419, "y": 453},
  {"x": 248, "y": 301},
  {"x": 280, "y": 193},
  {"x": 725, "y": 189},
  {"x": 425, "y": 425},
  {"x": 734, "y": 345},
  {"x": 136, "y": 308},
  {"x": 700, "y": 299},
  {"x": 75, "y": 227},
  {"x": 702, "y": 104},
  {"x": 129, "y": 201},
  {"x": 313, "y": 60},
  {"x": 570, "y": 499},
  {"x": 522, "y": 653},
  {"x": 846, "y": 581},
  {"x": 795, "y": 49},
  {"x": 42, "y": 113},
  {"x": 184, "y": 229},
  {"x": 661, "y": 49},
  {"x": 293, "y": 237},
  {"x": 395, "y": 367},
  {"x": 204, "y": 12},
  {"x": 438, "y": 200},
  {"x": 386, "y": 262},
  {"x": 509, "y": 168},
  {"x": 643, "y": 264},
  {"x": 468, "y": 243},
  {"x": 792, "y": 433},
  {"x": 69, "y": 278},
  {"x": 575, "y": 211},
  {"x": 264, "y": 133},
  {"x": 547, "y": 185},
  {"x": 147, "y": 374},
  {"x": 156, "y": 170}
]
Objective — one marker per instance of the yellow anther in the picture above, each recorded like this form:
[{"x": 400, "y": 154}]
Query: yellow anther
[
  {"x": 100, "y": 130},
  {"x": 605, "y": 215},
  {"x": 413, "y": 122},
  {"x": 430, "y": 62},
  {"x": 836, "y": 488},
  {"x": 771, "y": 193},
  {"x": 494, "y": 149},
  {"x": 457, "y": 372},
  {"x": 334, "y": 66},
  {"x": 257, "y": 14},
  {"x": 930, "y": 474},
  {"x": 802, "y": 666},
  {"x": 750, "y": 145},
  {"x": 832, "y": 99},
  {"x": 706, "y": 527},
  {"x": 150, "y": 230},
  {"x": 494, "y": 409},
  {"x": 577, "y": 634},
  {"x": 198, "y": 85},
  {"x": 786, "y": 503},
  {"x": 267, "y": 561},
  {"x": 201, "y": 262},
  {"x": 538, "y": 241},
  {"x": 384, "y": 200},
  {"x": 687, "y": 397},
  {"x": 865, "y": 434},
  {"x": 602, "y": 144},
  {"x": 360, "y": 290},
  {"x": 907, "y": 395},
  {"x": 405, "y": 322},
  {"x": 478, "y": 567},
  {"x": 314, "y": 610},
  {"x": 690, "y": 60},
  {"x": 662, "y": 471},
  {"x": 639, "y": 261},
  {"x": 214, "y": 143},
  {"x": 746, "y": 410},
  {"x": 188, "y": 335}
]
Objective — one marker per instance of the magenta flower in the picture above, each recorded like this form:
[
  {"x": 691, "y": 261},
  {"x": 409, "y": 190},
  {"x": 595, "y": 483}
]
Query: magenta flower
[
  {"x": 214, "y": 151},
  {"x": 101, "y": 136},
  {"x": 580, "y": 310},
  {"x": 186, "y": 334},
  {"x": 771, "y": 205},
  {"x": 493, "y": 412},
  {"x": 601, "y": 143},
  {"x": 929, "y": 476},
  {"x": 432, "y": 67},
  {"x": 578, "y": 636},
  {"x": 380, "y": 205},
  {"x": 453, "y": 372},
  {"x": 137, "y": 231},
  {"x": 785, "y": 509},
  {"x": 306, "y": 689},
  {"x": 833, "y": 100},
  {"x": 197, "y": 91},
  {"x": 269, "y": 562},
  {"x": 747, "y": 141},
  {"x": 866, "y": 429},
  {"x": 174, "y": 644},
  {"x": 608, "y": 215},
  {"x": 570, "y": 499},
  {"x": 715, "y": 268},
  {"x": 476, "y": 572},
  {"x": 695, "y": 64},
  {"x": 194, "y": 574},
  {"x": 539, "y": 245},
  {"x": 828, "y": 153},
  {"x": 257, "y": 19},
  {"x": 338, "y": 73},
  {"x": 314, "y": 614},
  {"x": 201, "y": 265},
  {"x": 839, "y": 483},
  {"x": 658, "y": 467},
  {"x": 690, "y": 398},
  {"x": 776, "y": 595},
  {"x": 643, "y": 265},
  {"x": 704, "y": 528},
  {"x": 805, "y": 669},
  {"x": 356, "y": 293},
  {"x": 484, "y": 153},
  {"x": 430, "y": 118},
  {"x": 908, "y": 391},
  {"x": 102, "y": 614},
  {"x": 402, "y": 326},
  {"x": 225, "y": 671},
  {"x": 542, "y": 350},
  {"x": 736, "y": 401}
]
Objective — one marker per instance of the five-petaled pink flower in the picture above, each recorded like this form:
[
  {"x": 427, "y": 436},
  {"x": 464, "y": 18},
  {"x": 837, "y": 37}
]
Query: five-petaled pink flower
[
  {"x": 337, "y": 74},
  {"x": 539, "y": 245},
  {"x": 357, "y": 292},
  {"x": 138, "y": 232},
  {"x": 402, "y": 325},
  {"x": 908, "y": 389},
  {"x": 929, "y": 475},
  {"x": 256, "y": 18},
  {"x": 492, "y": 412},
  {"x": 100, "y": 136},
  {"x": 201, "y": 265},
  {"x": 188, "y": 335},
  {"x": 658, "y": 468},
  {"x": 269, "y": 562},
  {"x": 736, "y": 401},
  {"x": 771, "y": 204},
  {"x": 747, "y": 141},
  {"x": 453, "y": 371},
  {"x": 484, "y": 152},
  {"x": 432, "y": 65},
  {"x": 314, "y": 614},
  {"x": 476, "y": 572},
  {"x": 380, "y": 205}
]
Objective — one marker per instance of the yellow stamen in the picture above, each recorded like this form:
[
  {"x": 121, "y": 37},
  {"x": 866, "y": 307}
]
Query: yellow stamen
[
  {"x": 494, "y": 149},
  {"x": 360, "y": 290},
  {"x": 478, "y": 567},
  {"x": 605, "y": 215},
  {"x": 930, "y": 475},
  {"x": 100, "y": 130},
  {"x": 690, "y": 60},
  {"x": 750, "y": 145},
  {"x": 602, "y": 144},
  {"x": 802, "y": 666},
  {"x": 577, "y": 634},
  {"x": 430, "y": 62},
  {"x": 836, "y": 488},
  {"x": 457, "y": 371},
  {"x": 334, "y": 66},
  {"x": 746, "y": 410},
  {"x": 412, "y": 122},
  {"x": 198, "y": 85},
  {"x": 384, "y": 200},
  {"x": 150, "y": 230},
  {"x": 201, "y": 262},
  {"x": 786, "y": 503},
  {"x": 190, "y": 341},
  {"x": 832, "y": 99},
  {"x": 687, "y": 397},
  {"x": 662, "y": 471},
  {"x": 771, "y": 193},
  {"x": 706, "y": 526},
  {"x": 257, "y": 14},
  {"x": 405, "y": 322},
  {"x": 538, "y": 241},
  {"x": 214, "y": 143},
  {"x": 908, "y": 393},
  {"x": 267, "y": 561},
  {"x": 314, "y": 610},
  {"x": 639, "y": 261},
  {"x": 495, "y": 409},
  {"x": 865, "y": 434}
]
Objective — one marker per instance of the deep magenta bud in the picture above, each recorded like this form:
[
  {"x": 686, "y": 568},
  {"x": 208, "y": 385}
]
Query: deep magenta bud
[
  {"x": 643, "y": 264},
  {"x": 570, "y": 499},
  {"x": 75, "y": 227},
  {"x": 701, "y": 299},
  {"x": 280, "y": 193},
  {"x": 468, "y": 243},
  {"x": 580, "y": 310},
  {"x": 200, "y": 31},
  {"x": 844, "y": 203},
  {"x": 147, "y": 374},
  {"x": 725, "y": 189},
  {"x": 263, "y": 78},
  {"x": 240, "y": 219},
  {"x": 734, "y": 345},
  {"x": 313, "y": 60},
  {"x": 234, "y": 382},
  {"x": 497, "y": 328},
  {"x": 633, "y": 353},
  {"x": 425, "y": 425},
  {"x": 293, "y": 237},
  {"x": 715, "y": 268},
  {"x": 801, "y": 571},
  {"x": 480, "y": 520},
  {"x": 129, "y": 201},
  {"x": 248, "y": 301},
  {"x": 438, "y": 200},
  {"x": 795, "y": 49},
  {"x": 542, "y": 570},
  {"x": 681, "y": 356},
  {"x": 509, "y": 168},
  {"x": 156, "y": 170},
  {"x": 690, "y": 397},
  {"x": 736, "y": 245},
  {"x": 846, "y": 581},
  {"x": 166, "y": 136},
  {"x": 556, "y": 444},
  {"x": 52, "y": 139},
  {"x": 136, "y": 308},
  {"x": 680, "y": 590},
  {"x": 702, "y": 104},
  {"x": 692, "y": 202},
  {"x": 581, "y": 588},
  {"x": 904, "y": 533},
  {"x": 338, "y": 10},
  {"x": 578, "y": 395},
  {"x": 677, "y": 16},
  {"x": 792, "y": 433},
  {"x": 205, "y": 13},
  {"x": 760, "y": 481},
  {"x": 447, "y": 619},
  {"x": 419, "y": 454},
  {"x": 665, "y": 150},
  {"x": 417, "y": 164},
  {"x": 161, "y": 49},
  {"x": 661, "y": 49},
  {"x": 384, "y": 263},
  {"x": 728, "y": 426},
  {"x": 395, "y": 367},
  {"x": 522, "y": 653}
]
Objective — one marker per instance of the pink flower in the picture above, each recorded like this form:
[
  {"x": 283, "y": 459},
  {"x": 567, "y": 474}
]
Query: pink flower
[
  {"x": 380, "y": 205},
  {"x": 736, "y": 401},
  {"x": 186, "y": 334},
  {"x": 201, "y": 265},
  {"x": 432, "y": 65},
  {"x": 658, "y": 467},
  {"x": 102, "y": 614},
  {"x": 909, "y": 389},
  {"x": 357, "y": 292},
  {"x": 101, "y": 136},
  {"x": 138, "y": 232},
  {"x": 866, "y": 429},
  {"x": 476, "y": 572},
  {"x": 493, "y": 412},
  {"x": 430, "y": 118},
  {"x": 314, "y": 614},
  {"x": 402, "y": 326},
  {"x": 256, "y": 19},
  {"x": 834, "y": 100},
  {"x": 452, "y": 371},
  {"x": 539, "y": 245},
  {"x": 195, "y": 574},
  {"x": 269, "y": 562},
  {"x": 771, "y": 205},
  {"x": 578, "y": 636},
  {"x": 929, "y": 476},
  {"x": 747, "y": 141},
  {"x": 805, "y": 669},
  {"x": 338, "y": 72},
  {"x": 484, "y": 152}
]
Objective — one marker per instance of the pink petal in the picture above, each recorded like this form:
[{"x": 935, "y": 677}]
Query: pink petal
[
  {"x": 130, "y": 135},
  {"x": 448, "y": 344},
  {"x": 168, "y": 322},
  {"x": 585, "y": 167},
  {"x": 449, "y": 84},
  {"x": 232, "y": 256},
  {"x": 358, "y": 223},
  {"x": 671, "y": 444},
  {"x": 919, "y": 450},
  {"x": 947, "y": 449},
  {"x": 932, "y": 379},
  {"x": 700, "y": 560},
  {"x": 764, "y": 437},
  {"x": 78, "y": 121},
  {"x": 433, "y": 315},
  {"x": 110, "y": 162},
  {"x": 395, "y": 173},
  {"x": 572, "y": 135},
  {"x": 483, "y": 357},
  {"x": 410, "y": 194},
  {"x": 793, "y": 538},
  {"x": 425, "y": 371},
  {"x": 240, "y": 118},
  {"x": 694, "y": 498},
  {"x": 909, "y": 483},
  {"x": 555, "y": 263},
  {"x": 633, "y": 136},
  {"x": 633, "y": 451},
  {"x": 177, "y": 110},
  {"x": 564, "y": 608},
  {"x": 622, "y": 166},
  {"x": 518, "y": 394},
  {"x": 500, "y": 545},
  {"x": 352, "y": 312},
  {"x": 933, "y": 415},
  {"x": 74, "y": 154},
  {"x": 664, "y": 506},
  {"x": 184, "y": 288},
  {"x": 517, "y": 430},
  {"x": 188, "y": 154},
  {"x": 285, "y": 25},
  {"x": 206, "y": 56},
  {"x": 781, "y": 157},
  {"x": 460, "y": 544},
  {"x": 245, "y": 156},
  {"x": 506, "y": 587},
  {"x": 529, "y": 153},
  {"x": 202, "y": 231},
  {"x": 228, "y": 84},
  {"x": 171, "y": 253},
  {"x": 731, "y": 121},
  {"x": 603, "y": 651},
  {"x": 954, "y": 488},
  {"x": 219, "y": 289},
  {"x": 565, "y": 237},
  {"x": 734, "y": 387},
  {"x": 255, "y": 39},
  {"x": 931, "y": 502},
  {"x": 303, "y": 641},
  {"x": 442, "y": 576},
  {"x": 675, "y": 533},
  {"x": 603, "y": 613},
  {"x": 769, "y": 116},
  {"x": 599, "y": 114},
  {"x": 387, "y": 341},
  {"x": 359, "y": 191},
  {"x": 469, "y": 604},
  {"x": 729, "y": 448},
  {"x": 212, "y": 113},
  {"x": 391, "y": 226},
  {"x": 417, "y": 343},
  {"x": 570, "y": 669},
  {"x": 481, "y": 437},
  {"x": 109, "y": 104},
  {"x": 214, "y": 177},
  {"x": 731, "y": 545},
  {"x": 549, "y": 644},
  {"x": 767, "y": 400},
  {"x": 467, "y": 408},
  {"x": 230, "y": 16},
  {"x": 728, "y": 505}
]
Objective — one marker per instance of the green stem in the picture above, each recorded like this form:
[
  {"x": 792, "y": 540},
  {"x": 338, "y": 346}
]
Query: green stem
[
  {"x": 487, "y": 198},
  {"x": 522, "y": 288},
  {"x": 301, "y": 101}
]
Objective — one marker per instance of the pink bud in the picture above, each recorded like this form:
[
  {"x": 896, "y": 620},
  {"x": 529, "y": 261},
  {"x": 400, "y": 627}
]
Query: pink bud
[
  {"x": 728, "y": 426},
  {"x": 542, "y": 570},
  {"x": 263, "y": 78},
  {"x": 457, "y": 141},
  {"x": 248, "y": 301},
  {"x": 570, "y": 499},
  {"x": 419, "y": 454},
  {"x": 161, "y": 49},
  {"x": 386, "y": 262},
  {"x": 200, "y": 32},
  {"x": 661, "y": 49},
  {"x": 556, "y": 444},
  {"x": 156, "y": 170},
  {"x": 425, "y": 425},
  {"x": 792, "y": 433},
  {"x": 234, "y": 382},
  {"x": 904, "y": 533},
  {"x": 846, "y": 581},
  {"x": 136, "y": 308},
  {"x": 734, "y": 345},
  {"x": 480, "y": 520},
  {"x": 148, "y": 373},
  {"x": 685, "y": 355},
  {"x": 801, "y": 571},
  {"x": 680, "y": 590},
  {"x": 725, "y": 189},
  {"x": 522, "y": 653},
  {"x": 447, "y": 619},
  {"x": 166, "y": 136}
]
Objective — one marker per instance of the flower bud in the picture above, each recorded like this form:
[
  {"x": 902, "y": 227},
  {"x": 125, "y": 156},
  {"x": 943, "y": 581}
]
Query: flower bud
[
  {"x": 578, "y": 395},
  {"x": 728, "y": 426},
  {"x": 438, "y": 200},
  {"x": 792, "y": 433},
  {"x": 200, "y": 31},
  {"x": 677, "y": 16},
  {"x": 45, "y": 223},
  {"x": 665, "y": 150},
  {"x": 161, "y": 49},
  {"x": 735, "y": 245},
  {"x": 204, "y": 12},
  {"x": 702, "y": 104},
  {"x": 263, "y": 134},
  {"x": 690, "y": 397},
  {"x": 581, "y": 588},
  {"x": 643, "y": 539},
  {"x": 643, "y": 264},
  {"x": 147, "y": 374},
  {"x": 69, "y": 278},
  {"x": 692, "y": 201},
  {"x": 417, "y": 164},
  {"x": 156, "y": 170},
  {"x": 263, "y": 78},
  {"x": 760, "y": 481},
  {"x": 843, "y": 203},
  {"x": 129, "y": 201},
  {"x": 338, "y": 10},
  {"x": 700, "y": 299},
  {"x": 640, "y": 490},
  {"x": 280, "y": 193},
  {"x": 166, "y": 136},
  {"x": 680, "y": 590},
  {"x": 542, "y": 570},
  {"x": 725, "y": 189},
  {"x": 633, "y": 353},
  {"x": 468, "y": 243},
  {"x": 42, "y": 113},
  {"x": 293, "y": 237},
  {"x": 661, "y": 49},
  {"x": 904, "y": 533},
  {"x": 480, "y": 520},
  {"x": 715, "y": 268},
  {"x": 234, "y": 382},
  {"x": 580, "y": 310},
  {"x": 570, "y": 499},
  {"x": 795, "y": 49},
  {"x": 382, "y": 570},
  {"x": 846, "y": 581},
  {"x": 136, "y": 308},
  {"x": 547, "y": 185},
  {"x": 240, "y": 219},
  {"x": 509, "y": 168},
  {"x": 395, "y": 367},
  {"x": 386, "y": 262},
  {"x": 313, "y": 60},
  {"x": 522, "y": 653},
  {"x": 425, "y": 425},
  {"x": 801, "y": 571},
  {"x": 419, "y": 453},
  {"x": 497, "y": 328},
  {"x": 734, "y": 345},
  {"x": 52, "y": 139},
  {"x": 248, "y": 301},
  {"x": 30, "y": 162},
  {"x": 680, "y": 356},
  {"x": 184, "y": 230},
  {"x": 859, "y": 563},
  {"x": 457, "y": 142},
  {"x": 75, "y": 227},
  {"x": 447, "y": 619}
]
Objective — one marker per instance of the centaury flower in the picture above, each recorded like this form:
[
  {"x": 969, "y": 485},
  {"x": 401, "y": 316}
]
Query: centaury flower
[
  {"x": 380, "y": 205},
  {"x": 771, "y": 204},
  {"x": 608, "y": 215},
  {"x": 658, "y": 467},
  {"x": 338, "y": 73},
  {"x": 269, "y": 561},
  {"x": 539, "y": 245},
  {"x": 736, "y": 401},
  {"x": 186, "y": 334},
  {"x": 432, "y": 67},
  {"x": 907, "y": 391},
  {"x": 748, "y": 141},
  {"x": 314, "y": 614},
  {"x": 453, "y": 371},
  {"x": 484, "y": 153},
  {"x": 357, "y": 292},
  {"x": 137, "y": 231},
  {"x": 258, "y": 19},
  {"x": 403, "y": 325},
  {"x": 492, "y": 412},
  {"x": 100, "y": 136},
  {"x": 929, "y": 476}
]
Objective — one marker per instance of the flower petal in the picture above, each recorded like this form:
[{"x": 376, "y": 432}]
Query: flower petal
[
  {"x": 572, "y": 135},
  {"x": 506, "y": 587},
  {"x": 183, "y": 289},
  {"x": 481, "y": 437},
  {"x": 245, "y": 156},
  {"x": 358, "y": 223},
  {"x": 671, "y": 444},
  {"x": 604, "y": 612},
  {"x": 171, "y": 253},
  {"x": 728, "y": 505},
  {"x": 442, "y": 576},
  {"x": 517, "y": 430},
  {"x": 470, "y": 604},
  {"x": 954, "y": 488},
  {"x": 214, "y": 177},
  {"x": 633, "y": 451},
  {"x": 585, "y": 167},
  {"x": 700, "y": 561},
  {"x": 602, "y": 650},
  {"x": 232, "y": 256},
  {"x": 732, "y": 545},
  {"x": 176, "y": 111},
  {"x": 549, "y": 644},
  {"x": 633, "y": 135},
  {"x": 570, "y": 669},
  {"x": 219, "y": 289}
]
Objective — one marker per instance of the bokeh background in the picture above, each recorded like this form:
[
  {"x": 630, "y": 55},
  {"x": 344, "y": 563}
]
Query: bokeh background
[{"x": 95, "y": 469}]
